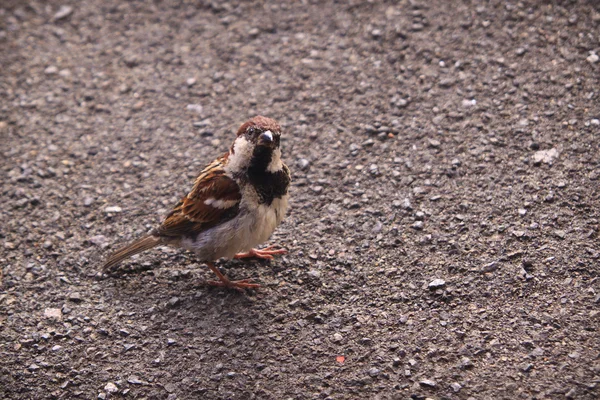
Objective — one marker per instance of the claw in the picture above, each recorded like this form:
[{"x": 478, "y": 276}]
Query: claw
[
  {"x": 223, "y": 281},
  {"x": 240, "y": 285},
  {"x": 265, "y": 254}
]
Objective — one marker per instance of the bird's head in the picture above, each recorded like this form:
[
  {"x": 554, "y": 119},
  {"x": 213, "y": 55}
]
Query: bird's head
[{"x": 257, "y": 144}]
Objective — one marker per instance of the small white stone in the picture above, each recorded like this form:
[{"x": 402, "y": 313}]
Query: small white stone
[
  {"x": 197, "y": 108},
  {"x": 466, "y": 103},
  {"x": 53, "y": 313},
  {"x": 113, "y": 209},
  {"x": 437, "y": 283},
  {"x": 51, "y": 70},
  {"x": 111, "y": 388},
  {"x": 593, "y": 58},
  {"x": 63, "y": 12},
  {"x": 545, "y": 156}
]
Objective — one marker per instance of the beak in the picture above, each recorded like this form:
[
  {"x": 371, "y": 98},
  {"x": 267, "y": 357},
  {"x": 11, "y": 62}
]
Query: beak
[{"x": 266, "y": 139}]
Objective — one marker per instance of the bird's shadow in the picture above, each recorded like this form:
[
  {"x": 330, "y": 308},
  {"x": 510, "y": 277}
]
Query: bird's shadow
[{"x": 175, "y": 290}]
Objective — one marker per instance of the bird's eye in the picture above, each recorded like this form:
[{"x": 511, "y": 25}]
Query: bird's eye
[{"x": 251, "y": 131}]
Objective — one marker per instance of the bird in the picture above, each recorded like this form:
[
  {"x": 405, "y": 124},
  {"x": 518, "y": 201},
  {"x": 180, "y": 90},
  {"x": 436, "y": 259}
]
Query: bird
[{"x": 236, "y": 203}]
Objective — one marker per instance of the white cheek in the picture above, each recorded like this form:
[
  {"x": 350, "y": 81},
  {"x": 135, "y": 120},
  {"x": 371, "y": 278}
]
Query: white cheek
[{"x": 242, "y": 153}]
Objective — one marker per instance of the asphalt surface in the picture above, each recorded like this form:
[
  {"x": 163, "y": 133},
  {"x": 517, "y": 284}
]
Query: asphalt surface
[{"x": 443, "y": 230}]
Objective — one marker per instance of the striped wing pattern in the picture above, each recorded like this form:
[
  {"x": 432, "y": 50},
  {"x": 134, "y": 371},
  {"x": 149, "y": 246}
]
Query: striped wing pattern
[{"x": 214, "y": 199}]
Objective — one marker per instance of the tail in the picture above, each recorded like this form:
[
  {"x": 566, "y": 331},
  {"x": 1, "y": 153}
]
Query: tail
[{"x": 136, "y": 247}]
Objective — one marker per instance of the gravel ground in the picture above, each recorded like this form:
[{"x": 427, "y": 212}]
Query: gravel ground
[{"x": 443, "y": 232}]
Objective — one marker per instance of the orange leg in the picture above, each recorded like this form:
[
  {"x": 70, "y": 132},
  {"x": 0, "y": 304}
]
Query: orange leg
[
  {"x": 266, "y": 253},
  {"x": 225, "y": 282}
]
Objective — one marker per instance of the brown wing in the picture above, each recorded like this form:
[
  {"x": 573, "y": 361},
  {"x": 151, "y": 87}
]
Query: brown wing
[{"x": 214, "y": 199}]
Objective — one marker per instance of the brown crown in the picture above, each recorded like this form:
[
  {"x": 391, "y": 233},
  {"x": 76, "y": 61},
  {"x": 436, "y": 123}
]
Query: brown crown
[{"x": 260, "y": 122}]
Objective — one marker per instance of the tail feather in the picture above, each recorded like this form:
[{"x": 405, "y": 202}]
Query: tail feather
[{"x": 131, "y": 249}]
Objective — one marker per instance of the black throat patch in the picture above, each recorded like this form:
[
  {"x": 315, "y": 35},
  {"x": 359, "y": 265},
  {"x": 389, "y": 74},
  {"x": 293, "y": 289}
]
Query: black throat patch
[{"x": 269, "y": 185}]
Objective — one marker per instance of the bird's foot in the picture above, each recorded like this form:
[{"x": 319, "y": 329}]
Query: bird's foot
[
  {"x": 240, "y": 285},
  {"x": 265, "y": 254},
  {"x": 223, "y": 281}
]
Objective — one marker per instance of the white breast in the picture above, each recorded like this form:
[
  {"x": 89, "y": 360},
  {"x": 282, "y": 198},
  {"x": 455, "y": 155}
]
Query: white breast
[{"x": 250, "y": 228}]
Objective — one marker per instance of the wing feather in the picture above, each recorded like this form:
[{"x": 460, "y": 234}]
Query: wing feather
[{"x": 214, "y": 199}]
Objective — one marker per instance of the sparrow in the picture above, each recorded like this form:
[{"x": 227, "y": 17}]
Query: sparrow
[{"x": 236, "y": 203}]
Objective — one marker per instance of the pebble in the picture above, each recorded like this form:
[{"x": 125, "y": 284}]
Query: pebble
[
  {"x": 418, "y": 225},
  {"x": 376, "y": 33},
  {"x": 88, "y": 201},
  {"x": 373, "y": 372},
  {"x": 63, "y": 12},
  {"x": 113, "y": 209},
  {"x": 427, "y": 382},
  {"x": 377, "y": 227},
  {"x": 190, "y": 82},
  {"x": 171, "y": 342},
  {"x": 33, "y": 367},
  {"x": 456, "y": 387},
  {"x": 436, "y": 284},
  {"x": 174, "y": 301},
  {"x": 571, "y": 394},
  {"x": 55, "y": 313},
  {"x": 537, "y": 352},
  {"x": 56, "y": 348},
  {"x": 314, "y": 273},
  {"x": 368, "y": 142},
  {"x": 446, "y": 83},
  {"x": 75, "y": 297},
  {"x": 491, "y": 267},
  {"x": 593, "y": 58},
  {"x": 197, "y": 108},
  {"x": 520, "y": 51},
  {"x": 337, "y": 337},
  {"x": 434, "y": 143},
  {"x": 134, "y": 380},
  {"x": 401, "y": 103},
  {"x": 303, "y": 164},
  {"x": 317, "y": 189},
  {"x": 438, "y": 119},
  {"x": 522, "y": 212},
  {"x": 545, "y": 156},
  {"x": 465, "y": 363},
  {"x": 526, "y": 367},
  {"x": 466, "y": 103},
  {"x": 111, "y": 388},
  {"x": 560, "y": 234},
  {"x": 138, "y": 106},
  {"x": 99, "y": 240},
  {"x": 51, "y": 70}
]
